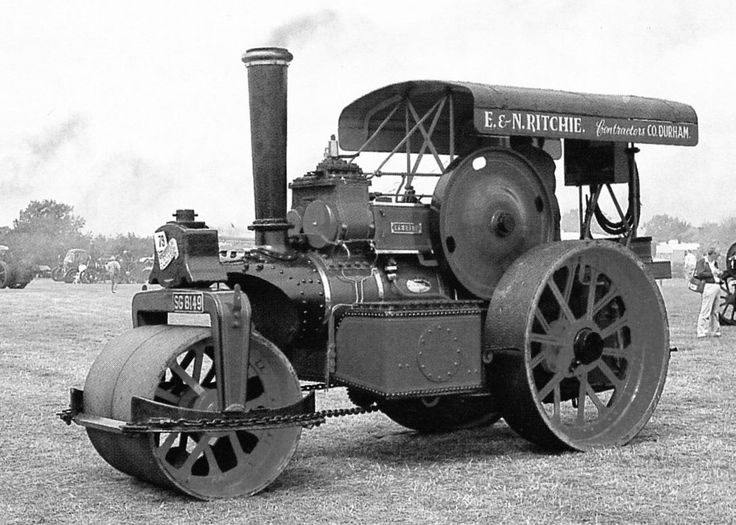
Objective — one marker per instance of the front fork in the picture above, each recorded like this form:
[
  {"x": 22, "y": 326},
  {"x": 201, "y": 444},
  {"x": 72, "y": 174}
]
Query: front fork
[{"x": 229, "y": 315}]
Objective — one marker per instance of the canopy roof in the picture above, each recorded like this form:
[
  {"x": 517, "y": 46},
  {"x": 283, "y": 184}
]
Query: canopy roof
[{"x": 464, "y": 111}]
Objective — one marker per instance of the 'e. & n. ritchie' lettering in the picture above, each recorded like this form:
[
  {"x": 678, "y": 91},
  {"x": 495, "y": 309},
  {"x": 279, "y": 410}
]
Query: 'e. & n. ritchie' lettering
[{"x": 534, "y": 123}]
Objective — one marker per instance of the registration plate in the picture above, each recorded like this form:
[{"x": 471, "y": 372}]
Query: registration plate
[{"x": 189, "y": 302}]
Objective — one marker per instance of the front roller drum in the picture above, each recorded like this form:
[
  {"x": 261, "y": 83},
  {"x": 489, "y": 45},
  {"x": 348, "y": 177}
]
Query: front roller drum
[
  {"x": 580, "y": 345},
  {"x": 175, "y": 365}
]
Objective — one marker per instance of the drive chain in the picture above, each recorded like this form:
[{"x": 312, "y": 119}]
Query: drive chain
[{"x": 311, "y": 420}]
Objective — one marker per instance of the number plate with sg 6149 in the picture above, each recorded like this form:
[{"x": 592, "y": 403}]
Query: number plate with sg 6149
[{"x": 188, "y": 302}]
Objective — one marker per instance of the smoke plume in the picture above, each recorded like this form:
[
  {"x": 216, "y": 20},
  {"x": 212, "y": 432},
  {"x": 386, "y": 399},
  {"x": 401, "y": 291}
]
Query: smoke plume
[
  {"x": 302, "y": 29},
  {"x": 44, "y": 147}
]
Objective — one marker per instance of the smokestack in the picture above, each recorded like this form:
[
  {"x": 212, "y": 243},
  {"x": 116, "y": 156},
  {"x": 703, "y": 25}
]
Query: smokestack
[{"x": 267, "y": 95}]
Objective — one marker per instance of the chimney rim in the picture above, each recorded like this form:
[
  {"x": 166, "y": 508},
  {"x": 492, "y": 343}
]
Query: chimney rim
[{"x": 260, "y": 56}]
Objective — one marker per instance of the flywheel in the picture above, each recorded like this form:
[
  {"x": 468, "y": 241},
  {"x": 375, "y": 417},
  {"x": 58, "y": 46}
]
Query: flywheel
[
  {"x": 175, "y": 365},
  {"x": 488, "y": 210},
  {"x": 442, "y": 413},
  {"x": 580, "y": 343}
]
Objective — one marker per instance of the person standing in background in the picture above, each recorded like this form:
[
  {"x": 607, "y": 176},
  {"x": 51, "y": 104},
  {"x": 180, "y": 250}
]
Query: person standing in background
[
  {"x": 113, "y": 271},
  {"x": 707, "y": 270},
  {"x": 690, "y": 262}
]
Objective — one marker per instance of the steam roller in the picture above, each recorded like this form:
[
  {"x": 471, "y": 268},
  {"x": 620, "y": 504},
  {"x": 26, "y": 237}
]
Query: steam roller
[{"x": 439, "y": 293}]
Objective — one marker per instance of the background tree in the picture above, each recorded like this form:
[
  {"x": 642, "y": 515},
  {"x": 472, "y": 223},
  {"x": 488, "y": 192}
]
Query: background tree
[
  {"x": 44, "y": 230},
  {"x": 48, "y": 217},
  {"x": 663, "y": 228}
]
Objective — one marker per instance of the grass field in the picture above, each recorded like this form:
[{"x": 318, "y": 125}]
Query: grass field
[{"x": 680, "y": 469}]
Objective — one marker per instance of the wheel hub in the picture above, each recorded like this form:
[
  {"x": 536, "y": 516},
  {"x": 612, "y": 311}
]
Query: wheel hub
[
  {"x": 588, "y": 346},
  {"x": 580, "y": 345},
  {"x": 503, "y": 223}
]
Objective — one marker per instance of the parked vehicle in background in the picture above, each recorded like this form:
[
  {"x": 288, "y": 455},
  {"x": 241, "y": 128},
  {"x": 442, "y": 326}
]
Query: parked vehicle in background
[
  {"x": 13, "y": 273},
  {"x": 70, "y": 266},
  {"x": 43, "y": 271},
  {"x": 146, "y": 265}
]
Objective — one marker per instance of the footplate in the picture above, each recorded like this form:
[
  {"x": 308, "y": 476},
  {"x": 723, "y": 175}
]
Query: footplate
[{"x": 153, "y": 417}]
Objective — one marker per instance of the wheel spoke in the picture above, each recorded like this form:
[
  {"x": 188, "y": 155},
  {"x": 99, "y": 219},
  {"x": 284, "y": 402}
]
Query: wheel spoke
[
  {"x": 593, "y": 396},
  {"x": 242, "y": 455},
  {"x": 545, "y": 339},
  {"x": 187, "y": 379},
  {"x": 197, "y": 371},
  {"x": 167, "y": 396},
  {"x": 592, "y": 287},
  {"x": 536, "y": 360},
  {"x": 561, "y": 301},
  {"x": 539, "y": 316},
  {"x": 194, "y": 456},
  {"x": 187, "y": 358},
  {"x": 609, "y": 373},
  {"x": 568, "y": 284},
  {"x": 582, "y": 390},
  {"x": 552, "y": 383},
  {"x": 603, "y": 301},
  {"x": 557, "y": 403},
  {"x": 214, "y": 468},
  {"x": 164, "y": 447},
  {"x": 208, "y": 379},
  {"x": 614, "y": 327},
  {"x": 615, "y": 352}
]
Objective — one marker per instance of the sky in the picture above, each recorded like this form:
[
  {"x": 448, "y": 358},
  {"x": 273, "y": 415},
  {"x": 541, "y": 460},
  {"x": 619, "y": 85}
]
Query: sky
[{"x": 130, "y": 110}]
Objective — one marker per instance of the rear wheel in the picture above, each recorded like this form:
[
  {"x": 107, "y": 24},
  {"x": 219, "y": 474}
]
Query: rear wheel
[
  {"x": 727, "y": 310},
  {"x": 4, "y": 274},
  {"x": 57, "y": 274},
  {"x": 581, "y": 345},
  {"x": 175, "y": 365}
]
